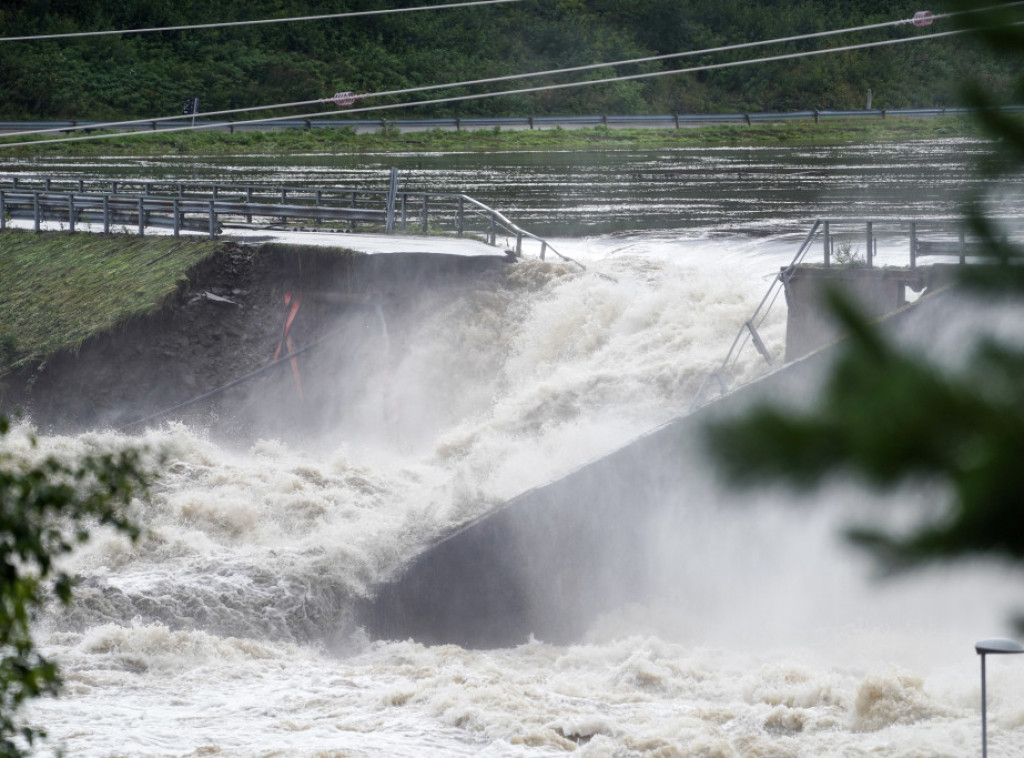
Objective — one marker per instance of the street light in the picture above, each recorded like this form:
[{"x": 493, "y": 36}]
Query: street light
[{"x": 991, "y": 647}]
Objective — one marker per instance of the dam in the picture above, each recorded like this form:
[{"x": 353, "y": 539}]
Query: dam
[
  {"x": 549, "y": 562},
  {"x": 545, "y": 563},
  {"x": 232, "y": 626}
]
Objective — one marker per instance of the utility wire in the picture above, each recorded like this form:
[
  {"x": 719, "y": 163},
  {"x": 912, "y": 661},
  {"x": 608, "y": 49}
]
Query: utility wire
[
  {"x": 525, "y": 90},
  {"x": 509, "y": 77},
  {"x": 512, "y": 77},
  {"x": 234, "y": 383},
  {"x": 254, "y": 22}
]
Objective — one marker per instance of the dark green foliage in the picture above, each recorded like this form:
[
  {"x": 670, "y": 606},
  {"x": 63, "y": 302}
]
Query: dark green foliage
[
  {"x": 46, "y": 509},
  {"x": 890, "y": 416},
  {"x": 150, "y": 75}
]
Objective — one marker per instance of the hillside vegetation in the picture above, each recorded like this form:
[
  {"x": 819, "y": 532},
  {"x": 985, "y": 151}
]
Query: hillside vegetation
[{"x": 150, "y": 75}]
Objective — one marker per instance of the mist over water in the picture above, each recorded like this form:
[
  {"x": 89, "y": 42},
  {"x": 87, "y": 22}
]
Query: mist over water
[{"x": 226, "y": 630}]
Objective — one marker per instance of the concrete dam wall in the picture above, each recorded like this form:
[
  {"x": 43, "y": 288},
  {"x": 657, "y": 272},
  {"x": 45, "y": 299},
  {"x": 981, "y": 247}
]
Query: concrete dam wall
[{"x": 553, "y": 560}]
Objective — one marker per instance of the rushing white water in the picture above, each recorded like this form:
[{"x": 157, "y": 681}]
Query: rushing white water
[{"x": 226, "y": 630}]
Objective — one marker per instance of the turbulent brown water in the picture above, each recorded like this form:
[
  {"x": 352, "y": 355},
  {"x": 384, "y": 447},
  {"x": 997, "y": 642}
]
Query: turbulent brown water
[{"x": 226, "y": 630}]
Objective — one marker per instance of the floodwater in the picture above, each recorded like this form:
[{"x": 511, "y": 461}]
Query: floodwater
[
  {"x": 725, "y": 190},
  {"x": 226, "y": 631}
]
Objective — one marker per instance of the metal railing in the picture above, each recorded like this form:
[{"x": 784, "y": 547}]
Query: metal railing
[
  {"x": 839, "y": 240},
  {"x": 211, "y": 207},
  {"x": 653, "y": 121}
]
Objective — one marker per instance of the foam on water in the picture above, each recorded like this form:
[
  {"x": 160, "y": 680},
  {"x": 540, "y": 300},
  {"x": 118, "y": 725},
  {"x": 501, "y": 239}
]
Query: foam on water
[
  {"x": 473, "y": 401},
  {"x": 225, "y": 630},
  {"x": 145, "y": 690}
]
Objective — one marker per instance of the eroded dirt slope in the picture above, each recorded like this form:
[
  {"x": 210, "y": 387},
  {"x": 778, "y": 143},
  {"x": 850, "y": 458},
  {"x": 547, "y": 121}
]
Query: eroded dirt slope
[{"x": 228, "y": 321}]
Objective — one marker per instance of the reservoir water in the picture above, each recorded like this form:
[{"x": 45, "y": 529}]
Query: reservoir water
[{"x": 226, "y": 630}]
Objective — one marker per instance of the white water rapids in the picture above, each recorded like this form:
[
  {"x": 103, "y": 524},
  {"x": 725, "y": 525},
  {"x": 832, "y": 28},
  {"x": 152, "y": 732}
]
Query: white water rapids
[{"x": 223, "y": 632}]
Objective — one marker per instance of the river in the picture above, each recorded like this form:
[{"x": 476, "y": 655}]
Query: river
[{"x": 225, "y": 630}]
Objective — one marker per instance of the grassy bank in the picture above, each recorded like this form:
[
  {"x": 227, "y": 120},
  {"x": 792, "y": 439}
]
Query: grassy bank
[
  {"x": 61, "y": 288},
  {"x": 830, "y": 132}
]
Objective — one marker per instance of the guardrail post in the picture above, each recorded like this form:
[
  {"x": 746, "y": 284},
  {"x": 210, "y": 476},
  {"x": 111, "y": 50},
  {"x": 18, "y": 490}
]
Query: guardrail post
[
  {"x": 676, "y": 117},
  {"x": 248, "y": 199},
  {"x": 913, "y": 244},
  {"x": 213, "y": 219},
  {"x": 519, "y": 244},
  {"x": 284, "y": 195},
  {"x": 963, "y": 246},
  {"x": 3, "y": 212},
  {"x": 35, "y": 209},
  {"x": 390, "y": 201},
  {"x": 318, "y": 193},
  {"x": 543, "y": 248},
  {"x": 405, "y": 218},
  {"x": 460, "y": 219},
  {"x": 870, "y": 256},
  {"x": 113, "y": 188},
  {"x": 426, "y": 213},
  {"x": 828, "y": 244},
  {"x": 492, "y": 234},
  {"x": 81, "y": 185},
  {"x": 47, "y": 185},
  {"x": 71, "y": 213},
  {"x": 106, "y": 214},
  {"x": 177, "y": 219},
  {"x": 142, "y": 219}
]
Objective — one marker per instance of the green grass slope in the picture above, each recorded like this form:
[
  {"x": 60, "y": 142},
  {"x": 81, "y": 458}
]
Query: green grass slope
[
  {"x": 58, "y": 289},
  {"x": 343, "y": 140}
]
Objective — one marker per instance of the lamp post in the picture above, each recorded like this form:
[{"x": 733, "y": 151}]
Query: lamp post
[{"x": 991, "y": 647}]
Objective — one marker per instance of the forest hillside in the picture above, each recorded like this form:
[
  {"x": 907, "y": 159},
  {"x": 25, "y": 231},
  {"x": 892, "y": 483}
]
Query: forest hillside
[{"x": 151, "y": 75}]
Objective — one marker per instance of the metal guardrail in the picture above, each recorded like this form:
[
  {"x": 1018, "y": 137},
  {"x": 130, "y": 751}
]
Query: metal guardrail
[
  {"x": 840, "y": 240},
  {"x": 210, "y": 207},
  {"x": 655, "y": 121}
]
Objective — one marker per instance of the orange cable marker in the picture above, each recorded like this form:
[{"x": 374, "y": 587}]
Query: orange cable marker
[{"x": 286, "y": 339}]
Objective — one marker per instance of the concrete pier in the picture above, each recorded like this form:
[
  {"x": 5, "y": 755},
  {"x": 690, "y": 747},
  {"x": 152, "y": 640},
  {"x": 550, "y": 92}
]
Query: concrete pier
[{"x": 876, "y": 292}]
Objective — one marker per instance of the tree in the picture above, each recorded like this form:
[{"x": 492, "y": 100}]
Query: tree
[
  {"x": 46, "y": 509},
  {"x": 890, "y": 415}
]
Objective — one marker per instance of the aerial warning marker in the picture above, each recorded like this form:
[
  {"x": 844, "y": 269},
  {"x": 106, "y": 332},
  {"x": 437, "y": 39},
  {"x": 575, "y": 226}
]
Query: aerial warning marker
[
  {"x": 921, "y": 18},
  {"x": 344, "y": 99}
]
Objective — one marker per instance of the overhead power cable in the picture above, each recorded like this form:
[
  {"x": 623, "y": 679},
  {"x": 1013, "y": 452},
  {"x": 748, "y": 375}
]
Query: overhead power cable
[
  {"x": 254, "y": 22},
  {"x": 522, "y": 91},
  {"x": 234, "y": 383},
  {"x": 531, "y": 75}
]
